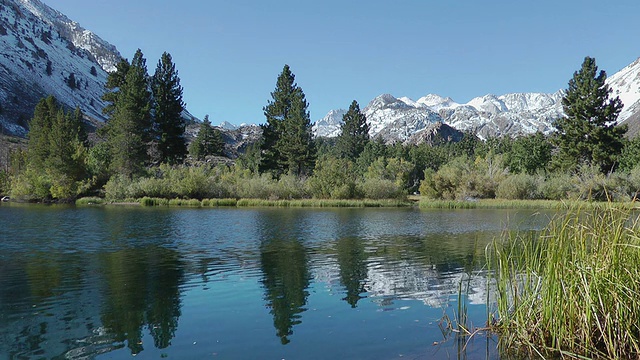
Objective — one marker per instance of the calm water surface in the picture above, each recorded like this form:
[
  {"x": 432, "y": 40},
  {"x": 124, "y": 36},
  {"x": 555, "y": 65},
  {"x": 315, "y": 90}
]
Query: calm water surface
[{"x": 112, "y": 282}]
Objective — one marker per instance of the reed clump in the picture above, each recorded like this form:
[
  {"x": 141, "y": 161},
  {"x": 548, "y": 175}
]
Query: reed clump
[
  {"x": 572, "y": 289},
  {"x": 92, "y": 200}
]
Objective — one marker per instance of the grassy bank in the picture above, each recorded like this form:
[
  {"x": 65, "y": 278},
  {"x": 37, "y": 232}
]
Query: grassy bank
[
  {"x": 146, "y": 201},
  {"x": 573, "y": 289},
  {"x": 425, "y": 203}
]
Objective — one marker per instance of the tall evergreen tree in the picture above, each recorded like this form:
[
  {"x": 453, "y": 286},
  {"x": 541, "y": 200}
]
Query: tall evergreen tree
[
  {"x": 354, "y": 134},
  {"x": 115, "y": 80},
  {"x": 130, "y": 128},
  {"x": 167, "y": 110},
  {"x": 56, "y": 150},
  {"x": 287, "y": 139},
  {"x": 40, "y": 131},
  {"x": 207, "y": 142},
  {"x": 589, "y": 134}
]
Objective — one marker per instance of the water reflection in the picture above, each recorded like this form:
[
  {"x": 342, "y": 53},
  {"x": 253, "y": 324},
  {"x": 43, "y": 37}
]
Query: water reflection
[
  {"x": 142, "y": 292},
  {"x": 286, "y": 275},
  {"x": 77, "y": 283},
  {"x": 352, "y": 260}
]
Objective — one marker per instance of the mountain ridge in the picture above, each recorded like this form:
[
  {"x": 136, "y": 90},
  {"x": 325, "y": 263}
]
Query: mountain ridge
[
  {"x": 396, "y": 119},
  {"x": 45, "y": 53}
]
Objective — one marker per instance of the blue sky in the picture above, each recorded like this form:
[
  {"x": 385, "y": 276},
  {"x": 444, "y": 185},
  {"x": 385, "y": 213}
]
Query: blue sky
[{"x": 229, "y": 53}]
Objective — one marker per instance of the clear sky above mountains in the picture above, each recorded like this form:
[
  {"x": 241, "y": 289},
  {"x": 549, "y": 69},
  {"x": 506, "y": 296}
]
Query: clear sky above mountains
[{"x": 229, "y": 53}]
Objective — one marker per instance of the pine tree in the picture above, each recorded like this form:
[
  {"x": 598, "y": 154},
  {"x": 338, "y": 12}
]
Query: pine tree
[
  {"x": 354, "y": 134},
  {"x": 207, "y": 142},
  {"x": 167, "y": 110},
  {"x": 296, "y": 146},
  {"x": 287, "y": 143},
  {"x": 115, "y": 80},
  {"x": 66, "y": 146},
  {"x": 589, "y": 134},
  {"x": 130, "y": 128},
  {"x": 71, "y": 81},
  {"x": 56, "y": 150},
  {"x": 40, "y": 131}
]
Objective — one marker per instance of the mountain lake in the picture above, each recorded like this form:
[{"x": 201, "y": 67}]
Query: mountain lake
[{"x": 113, "y": 282}]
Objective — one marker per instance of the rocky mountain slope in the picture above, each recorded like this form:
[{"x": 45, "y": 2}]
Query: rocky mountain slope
[
  {"x": 398, "y": 119},
  {"x": 626, "y": 85},
  {"x": 45, "y": 53}
]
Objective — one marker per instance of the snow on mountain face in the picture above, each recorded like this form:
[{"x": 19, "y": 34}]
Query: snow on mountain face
[
  {"x": 329, "y": 126},
  {"x": 99, "y": 50},
  {"x": 625, "y": 84},
  {"x": 44, "y": 53},
  {"x": 397, "y": 119},
  {"x": 437, "y": 102},
  {"x": 511, "y": 114}
]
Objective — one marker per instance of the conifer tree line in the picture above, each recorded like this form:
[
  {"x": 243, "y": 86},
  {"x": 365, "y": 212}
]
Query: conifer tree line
[{"x": 142, "y": 151}]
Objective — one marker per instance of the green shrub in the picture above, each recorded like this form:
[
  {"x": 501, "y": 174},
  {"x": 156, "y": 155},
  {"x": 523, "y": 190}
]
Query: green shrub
[
  {"x": 557, "y": 187},
  {"x": 381, "y": 189},
  {"x": 92, "y": 200},
  {"x": 118, "y": 188},
  {"x": 518, "y": 187},
  {"x": 333, "y": 178}
]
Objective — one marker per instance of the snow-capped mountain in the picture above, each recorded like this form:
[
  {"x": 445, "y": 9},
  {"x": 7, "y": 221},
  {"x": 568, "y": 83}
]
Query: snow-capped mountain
[
  {"x": 329, "y": 126},
  {"x": 509, "y": 114},
  {"x": 45, "y": 53},
  {"x": 397, "y": 119},
  {"x": 626, "y": 85}
]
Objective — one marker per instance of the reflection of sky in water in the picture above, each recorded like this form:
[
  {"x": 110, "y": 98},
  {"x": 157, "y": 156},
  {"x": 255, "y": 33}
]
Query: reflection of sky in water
[{"x": 359, "y": 279}]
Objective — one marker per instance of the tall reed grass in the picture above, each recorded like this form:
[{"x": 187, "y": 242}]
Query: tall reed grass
[
  {"x": 520, "y": 204},
  {"x": 574, "y": 288}
]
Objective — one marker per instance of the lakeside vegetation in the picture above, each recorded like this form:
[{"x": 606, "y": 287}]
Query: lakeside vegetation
[
  {"x": 146, "y": 201},
  {"x": 142, "y": 152},
  {"x": 572, "y": 289}
]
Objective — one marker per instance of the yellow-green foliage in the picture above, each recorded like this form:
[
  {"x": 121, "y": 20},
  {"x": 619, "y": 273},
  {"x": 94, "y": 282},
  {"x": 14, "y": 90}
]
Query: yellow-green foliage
[
  {"x": 518, "y": 187},
  {"x": 460, "y": 179},
  {"x": 392, "y": 169},
  {"x": 333, "y": 178}
]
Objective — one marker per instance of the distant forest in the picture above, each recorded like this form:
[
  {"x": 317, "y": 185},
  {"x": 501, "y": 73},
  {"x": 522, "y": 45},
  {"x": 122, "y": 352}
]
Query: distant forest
[{"x": 142, "y": 151}]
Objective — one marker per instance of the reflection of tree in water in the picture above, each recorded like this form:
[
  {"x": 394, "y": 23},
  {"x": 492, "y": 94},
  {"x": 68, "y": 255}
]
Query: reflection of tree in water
[
  {"x": 353, "y": 268},
  {"x": 143, "y": 290},
  {"x": 286, "y": 279}
]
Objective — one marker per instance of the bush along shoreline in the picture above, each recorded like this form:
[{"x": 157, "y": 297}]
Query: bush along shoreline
[{"x": 146, "y": 201}]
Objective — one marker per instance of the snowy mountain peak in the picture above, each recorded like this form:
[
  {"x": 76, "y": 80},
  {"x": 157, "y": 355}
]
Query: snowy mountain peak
[
  {"x": 436, "y": 102},
  {"x": 330, "y": 125},
  {"x": 105, "y": 54},
  {"x": 387, "y": 101},
  {"x": 488, "y": 103},
  {"x": 530, "y": 101},
  {"x": 227, "y": 126}
]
